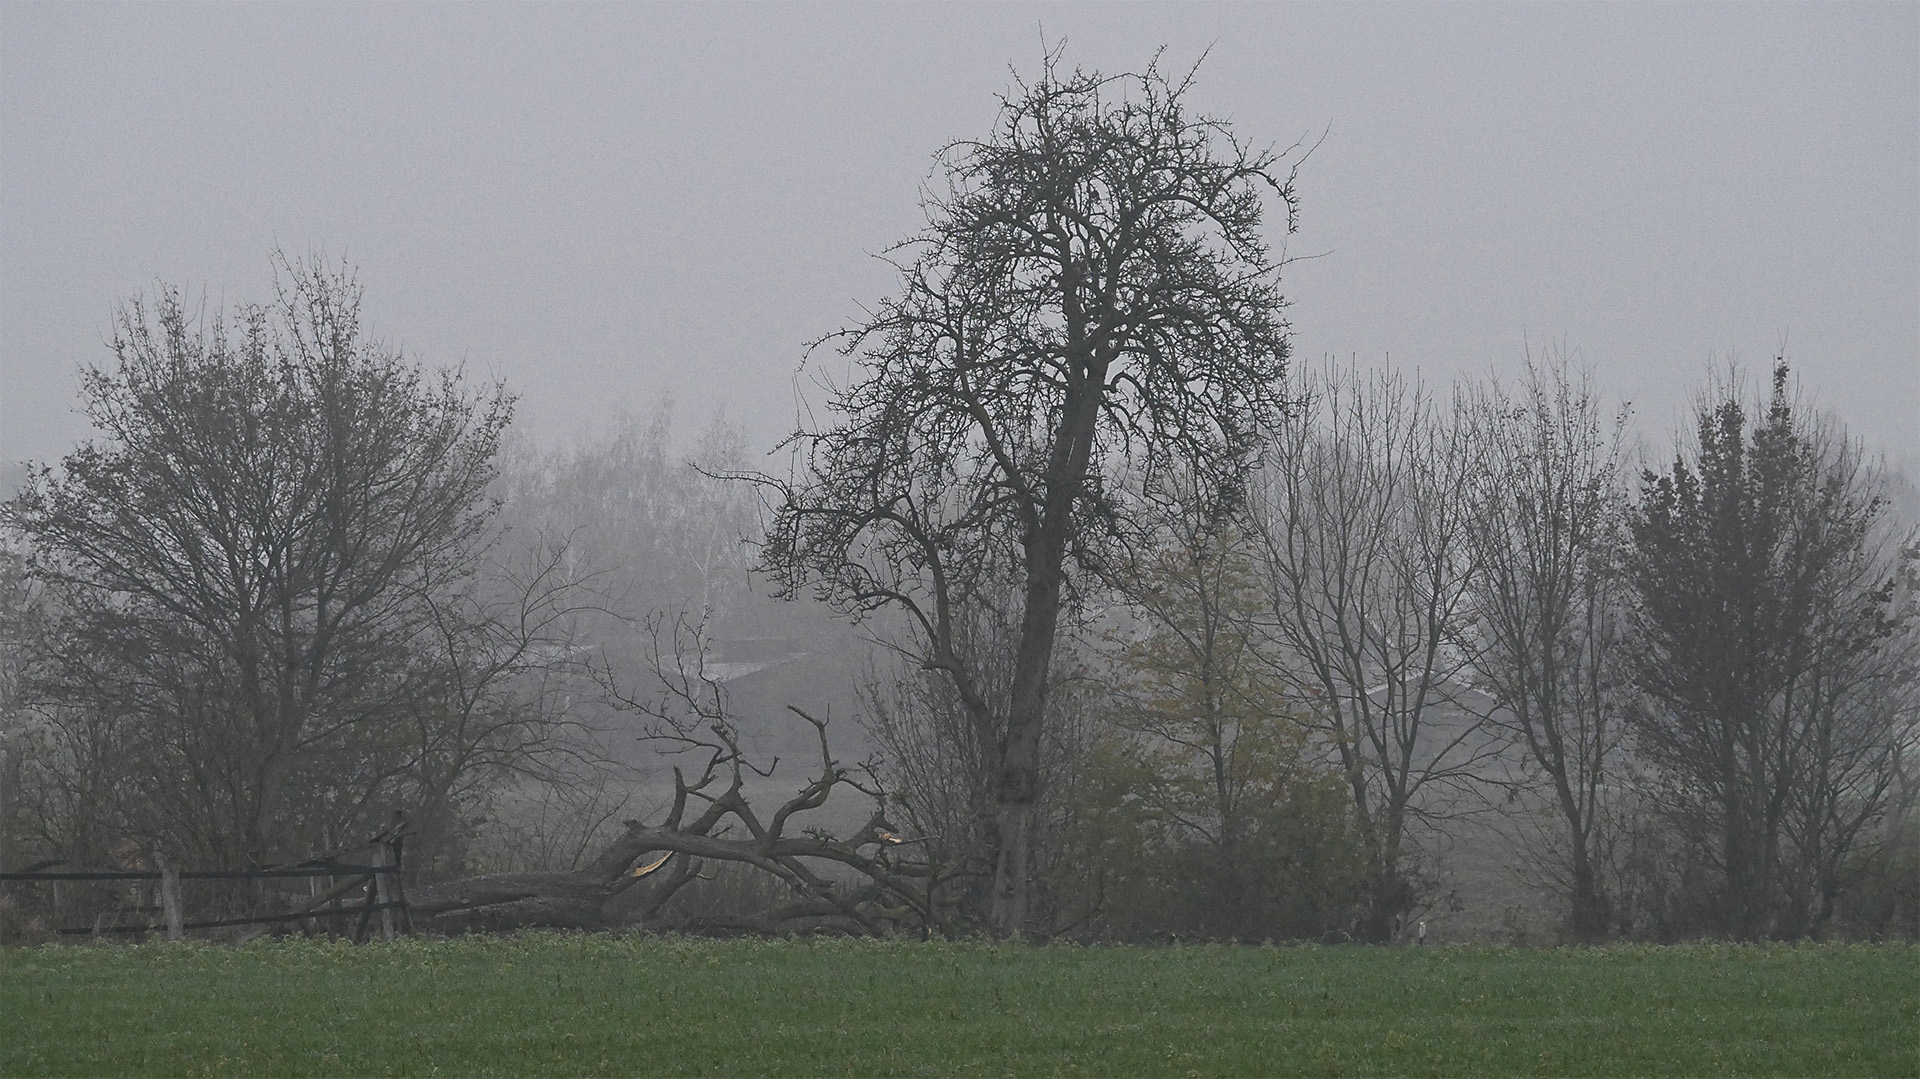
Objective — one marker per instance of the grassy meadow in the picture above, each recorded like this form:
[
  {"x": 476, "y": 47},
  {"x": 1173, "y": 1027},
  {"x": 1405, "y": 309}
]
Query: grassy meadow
[{"x": 579, "y": 1005}]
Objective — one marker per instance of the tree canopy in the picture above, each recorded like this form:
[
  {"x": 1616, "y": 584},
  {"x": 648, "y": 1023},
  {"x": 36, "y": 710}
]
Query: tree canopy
[
  {"x": 262, "y": 571},
  {"x": 1094, "y": 300}
]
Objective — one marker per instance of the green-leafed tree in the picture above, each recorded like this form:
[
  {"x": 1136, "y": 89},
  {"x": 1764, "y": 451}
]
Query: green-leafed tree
[
  {"x": 1207, "y": 809},
  {"x": 21, "y": 625}
]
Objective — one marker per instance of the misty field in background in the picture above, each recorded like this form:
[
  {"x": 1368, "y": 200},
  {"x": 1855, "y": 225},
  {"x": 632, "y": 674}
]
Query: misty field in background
[{"x": 534, "y": 1005}]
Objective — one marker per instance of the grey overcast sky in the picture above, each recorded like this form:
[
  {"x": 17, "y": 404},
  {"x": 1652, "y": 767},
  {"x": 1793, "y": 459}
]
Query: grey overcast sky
[{"x": 607, "y": 204}]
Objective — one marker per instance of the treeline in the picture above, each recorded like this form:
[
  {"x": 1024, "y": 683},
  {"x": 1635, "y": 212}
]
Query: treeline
[
  {"x": 301, "y": 584},
  {"x": 1685, "y": 693},
  {"x": 1164, "y": 598},
  {"x": 1168, "y": 637}
]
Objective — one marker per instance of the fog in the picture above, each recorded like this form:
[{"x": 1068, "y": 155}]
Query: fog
[{"x": 608, "y": 206}]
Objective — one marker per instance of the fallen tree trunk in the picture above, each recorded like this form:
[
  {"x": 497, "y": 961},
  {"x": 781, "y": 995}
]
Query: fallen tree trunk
[
  {"x": 864, "y": 883},
  {"x": 510, "y": 901},
  {"x": 585, "y": 899}
]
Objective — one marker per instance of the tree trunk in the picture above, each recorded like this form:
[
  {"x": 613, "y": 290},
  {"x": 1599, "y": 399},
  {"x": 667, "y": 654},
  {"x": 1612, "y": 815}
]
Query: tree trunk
[
  {"x": 1012, "y": 869},
  {"x": 1017, "y": 783},
  {"x": 503, "y": 903},
  {"x": 1387, "y": 899},
  {"x": 1590, "y": 915}
]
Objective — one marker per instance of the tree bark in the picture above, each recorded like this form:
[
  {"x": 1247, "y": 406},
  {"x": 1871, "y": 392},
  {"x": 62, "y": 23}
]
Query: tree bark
[{"x": 504, "y": 902}]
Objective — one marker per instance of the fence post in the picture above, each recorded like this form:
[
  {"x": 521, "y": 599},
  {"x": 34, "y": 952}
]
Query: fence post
[
  {"x": 170, "y": 901},
  {"x": 383, "y": 886}
]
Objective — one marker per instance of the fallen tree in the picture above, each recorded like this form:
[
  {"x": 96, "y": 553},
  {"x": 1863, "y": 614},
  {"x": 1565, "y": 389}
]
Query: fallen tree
[{"x": 874, "y": 881}]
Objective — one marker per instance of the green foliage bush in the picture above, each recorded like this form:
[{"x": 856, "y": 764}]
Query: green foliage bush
[
  {"x": 1203, "y": 808},
  {"x": 1288, "y": 866}
]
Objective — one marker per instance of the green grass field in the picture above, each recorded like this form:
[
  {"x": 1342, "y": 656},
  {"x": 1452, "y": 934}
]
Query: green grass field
[{"x": 551, "y": 1005}]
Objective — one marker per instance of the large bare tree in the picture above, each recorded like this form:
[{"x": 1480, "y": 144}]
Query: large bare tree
[{"x": 1094, "y": 286}]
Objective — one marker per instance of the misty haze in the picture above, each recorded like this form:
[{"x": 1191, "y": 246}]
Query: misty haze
[{"x": 1113, "y": 540}]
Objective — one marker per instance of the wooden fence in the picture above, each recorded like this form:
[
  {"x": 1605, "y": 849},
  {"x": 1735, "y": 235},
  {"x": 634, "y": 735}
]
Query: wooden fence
[{"x": 331, "y": 906}]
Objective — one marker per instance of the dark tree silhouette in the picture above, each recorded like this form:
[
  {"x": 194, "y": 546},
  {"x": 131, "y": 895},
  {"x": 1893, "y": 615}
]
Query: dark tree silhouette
[
  {"x": 265, "y": 571},
  {"x": 1767, "y": 648},
  {"x": 1093, "y": 292}
]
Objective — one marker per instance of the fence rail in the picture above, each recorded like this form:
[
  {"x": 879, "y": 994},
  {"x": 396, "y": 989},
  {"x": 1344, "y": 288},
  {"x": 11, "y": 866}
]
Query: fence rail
[
  {"x": 215, "y": 874},
  {"x": 380, "y": 881},
  {"x": 292, "y": 916}
]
